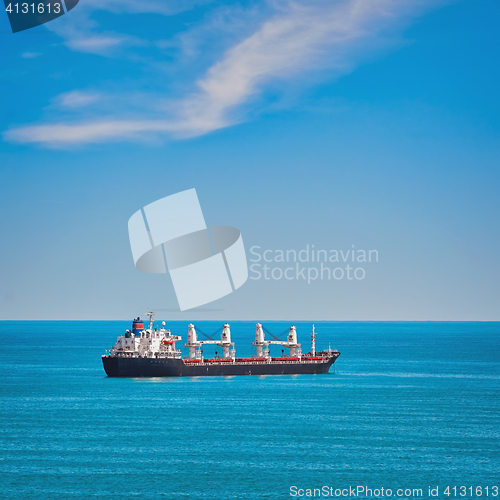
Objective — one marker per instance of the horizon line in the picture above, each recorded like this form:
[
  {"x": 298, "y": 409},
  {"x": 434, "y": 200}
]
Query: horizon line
[{"x": 292, "y": 320}]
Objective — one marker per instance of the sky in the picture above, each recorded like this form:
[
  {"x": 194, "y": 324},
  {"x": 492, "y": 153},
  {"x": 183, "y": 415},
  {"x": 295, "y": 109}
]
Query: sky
[{"x": 343, "y": 124}]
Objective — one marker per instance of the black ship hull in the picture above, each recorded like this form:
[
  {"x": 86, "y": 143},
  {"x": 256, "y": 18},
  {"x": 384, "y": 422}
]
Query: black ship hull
[{"x": 118, "y": 366}]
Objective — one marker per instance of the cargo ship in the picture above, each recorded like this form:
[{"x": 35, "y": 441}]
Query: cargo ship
[{"x": 151, "y": 352}]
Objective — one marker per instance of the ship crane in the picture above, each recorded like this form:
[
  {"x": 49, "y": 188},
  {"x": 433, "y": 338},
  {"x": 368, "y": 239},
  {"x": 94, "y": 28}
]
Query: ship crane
[
  {"x": 193, "y": 343},
  {"x": 292, "y": 344},
  {"x": 226, "y": 344},
  {"x": 228, "y": 351},
  {"x": 262, "y": 345}
]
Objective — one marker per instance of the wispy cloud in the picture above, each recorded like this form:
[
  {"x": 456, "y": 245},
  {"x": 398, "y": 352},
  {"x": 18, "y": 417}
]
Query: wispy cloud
[
  {"x": 81, "y": 35},
  {"x": 295, "y": 41},
  {"x": 145, "y": 6},
  {"x": 98, "y": 44},
  {"x": 81, "y": 32},
  {"x": 298, "y": 39},
  {"x": 77, "y": 99},
  {"x": 30, "y": 55},
  {"x": 57, "y": 135}
]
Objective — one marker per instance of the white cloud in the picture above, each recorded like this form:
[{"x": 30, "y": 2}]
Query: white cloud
[
  {"x": 300, "y": 38},
  {"x": 144, "y": 6},
  {"x": 79, "y": 29},
  {"x": 77, "y": 99},
  {"x": 30, "y": 55},
  {"x": 79, "y": 36},
  {"x": 89, "y": 132},
  {"x": 292, "y": 43},
  {"x": 97, "y": 44}
]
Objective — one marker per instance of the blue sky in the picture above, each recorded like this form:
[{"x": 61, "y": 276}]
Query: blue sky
[{"x": 340, "y": 123}]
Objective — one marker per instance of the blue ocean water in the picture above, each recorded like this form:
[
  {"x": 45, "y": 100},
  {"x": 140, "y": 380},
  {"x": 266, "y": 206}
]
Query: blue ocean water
[{"x": 410, "y": 405}]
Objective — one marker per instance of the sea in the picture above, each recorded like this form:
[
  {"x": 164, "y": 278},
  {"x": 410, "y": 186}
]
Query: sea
[{"x": 410, "y": 408}]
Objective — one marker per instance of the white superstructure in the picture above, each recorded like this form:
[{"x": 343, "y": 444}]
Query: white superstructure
[{"x": 149, "y": 343}]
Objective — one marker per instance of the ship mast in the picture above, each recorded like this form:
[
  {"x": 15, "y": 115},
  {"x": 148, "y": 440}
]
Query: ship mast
[
  {"x": 313, "y": 337},
  {"x": 151, "y": 315}
]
